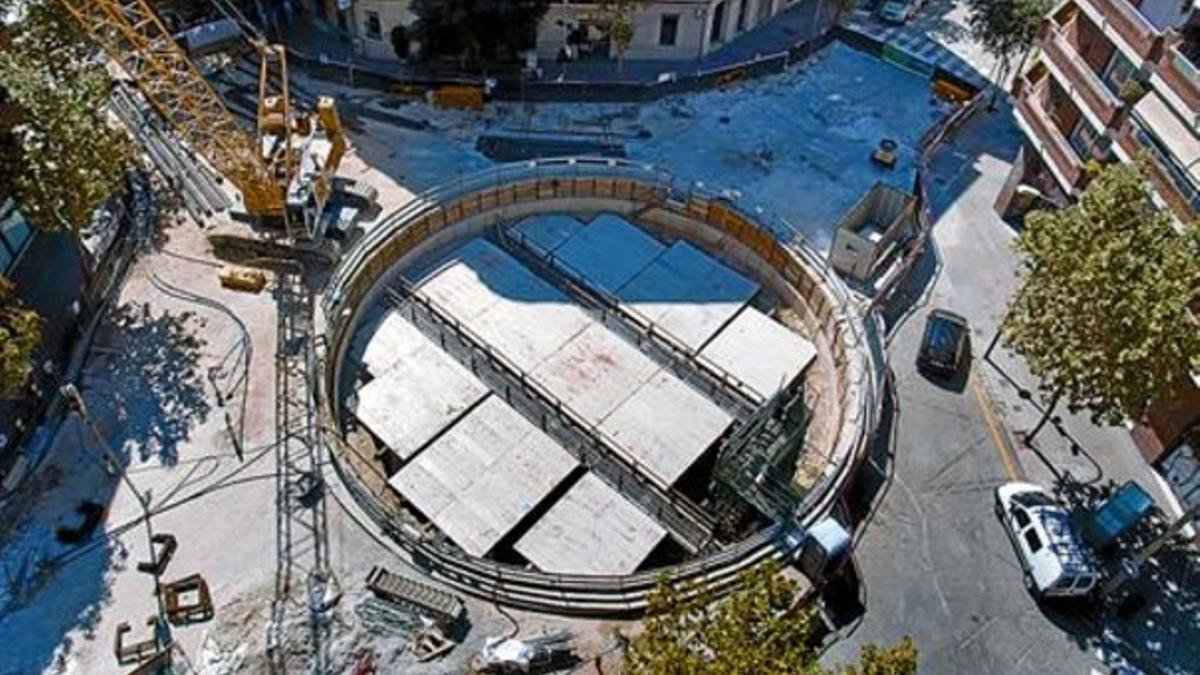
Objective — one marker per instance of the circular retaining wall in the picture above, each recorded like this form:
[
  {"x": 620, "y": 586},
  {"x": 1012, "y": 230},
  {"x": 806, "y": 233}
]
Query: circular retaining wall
[{"x": 769, "y": 251}]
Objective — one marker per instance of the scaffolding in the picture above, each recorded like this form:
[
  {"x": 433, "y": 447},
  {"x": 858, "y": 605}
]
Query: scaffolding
[
  {"x": 754, "y": 466},
  {"x": 302, "y": 544}
]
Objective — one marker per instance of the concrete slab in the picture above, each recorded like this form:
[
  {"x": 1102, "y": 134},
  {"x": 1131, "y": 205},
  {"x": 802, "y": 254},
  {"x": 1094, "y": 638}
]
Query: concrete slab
[
  {"x": 592, "y": 529},
  {"x": 595, "y": 372},
  {"x": 609, "y": 251},
  {"x": 666, "y": 425},
  {"x": 760, "y": 351},
  {"x": 421, "y": 394},
  {"x": 480, "y": 478},
  {"x": 504, "y": 303},
  {"x": 383, "y": 340},
  {"x": 548, "y": 232},
  {"x": 688, "y": 293}
]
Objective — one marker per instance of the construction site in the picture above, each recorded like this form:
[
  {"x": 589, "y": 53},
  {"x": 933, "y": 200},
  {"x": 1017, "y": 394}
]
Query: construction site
[{"x": 424, "y": 404}]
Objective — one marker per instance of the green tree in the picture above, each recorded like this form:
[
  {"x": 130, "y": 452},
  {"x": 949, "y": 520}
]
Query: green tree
[
  {"x": 615, "y": 18},
  {"x": 476, "y": 30},
  {"x": 65, "y": 156},
  {"x": 20, "y": 335},
  {"x": 1005, "y": 28},
  {"x": 763, "y": 627},
  {"x": 1103, "y": 315}
]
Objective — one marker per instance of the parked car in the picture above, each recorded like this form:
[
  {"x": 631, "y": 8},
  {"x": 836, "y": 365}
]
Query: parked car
[
  {"x": 944, "y": 343},
  {"x": 1055, "y": 562},
  {"x": 899, "y": 11}
]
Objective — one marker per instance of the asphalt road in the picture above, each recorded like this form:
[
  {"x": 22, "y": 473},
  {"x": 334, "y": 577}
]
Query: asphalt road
[{"x": 934, "y": 561}]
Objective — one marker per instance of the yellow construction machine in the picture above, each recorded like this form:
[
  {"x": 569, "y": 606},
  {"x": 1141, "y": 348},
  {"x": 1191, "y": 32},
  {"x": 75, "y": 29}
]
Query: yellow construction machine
[{"x": 285, "y": 174}]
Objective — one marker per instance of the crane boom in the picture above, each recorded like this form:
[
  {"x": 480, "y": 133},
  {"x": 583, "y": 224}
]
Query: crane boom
[{"x": 133, "y": 36}]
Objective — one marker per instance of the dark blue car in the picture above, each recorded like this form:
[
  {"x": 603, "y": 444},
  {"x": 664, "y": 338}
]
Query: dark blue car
[{"x": 944, "y": 344}]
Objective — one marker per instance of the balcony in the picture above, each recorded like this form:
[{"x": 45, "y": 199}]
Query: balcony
[
  {"x": 1078, "y": 79},
  {"x": 1126, "y": 27},
  {"x": 1181, "y": 78},
  {"x": 1045, "y": 136},
  {"x": 1170, "y": 181}
]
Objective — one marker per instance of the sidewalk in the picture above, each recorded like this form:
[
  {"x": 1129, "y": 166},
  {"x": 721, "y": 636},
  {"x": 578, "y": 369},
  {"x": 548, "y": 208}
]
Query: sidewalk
[{"x": 975, "y": 249}]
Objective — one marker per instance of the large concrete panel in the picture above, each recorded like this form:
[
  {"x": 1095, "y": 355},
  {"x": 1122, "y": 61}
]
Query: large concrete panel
[
  {"x": 385, "y": 339},
  {"x": 760, "y": 351},
  {"x": 609, "y": 251},
  {"x": 592, "y": 529},
  {"x": 504, "y": 303},
  {"x": 666, "y": 425},
  {"x": 418, "y": 396},
  {"x": 483, "y": 475},
  {"x": 688, "y": 294},
  {"x": 595, "y": 372}
]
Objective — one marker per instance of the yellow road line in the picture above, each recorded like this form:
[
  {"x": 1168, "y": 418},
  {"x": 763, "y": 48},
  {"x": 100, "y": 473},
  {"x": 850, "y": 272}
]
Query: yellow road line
[{"x": 1011, "y": 467}]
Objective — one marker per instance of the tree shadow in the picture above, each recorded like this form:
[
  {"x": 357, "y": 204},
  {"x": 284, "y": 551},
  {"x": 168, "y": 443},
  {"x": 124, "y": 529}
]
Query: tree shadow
[
  {"x": 150, "y": 388},
  {"x": 1150, "y": 623}
]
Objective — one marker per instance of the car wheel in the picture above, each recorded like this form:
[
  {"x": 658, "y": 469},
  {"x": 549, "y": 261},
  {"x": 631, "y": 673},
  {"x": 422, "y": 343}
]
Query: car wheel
[{"x": 999, "y": 510}]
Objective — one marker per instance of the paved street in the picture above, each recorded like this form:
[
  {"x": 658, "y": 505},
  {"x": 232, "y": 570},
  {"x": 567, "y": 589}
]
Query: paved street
[{"x": 935, "y": 561}]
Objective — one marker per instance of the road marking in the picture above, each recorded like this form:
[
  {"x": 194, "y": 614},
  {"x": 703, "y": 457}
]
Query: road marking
[{"x": 1011, "y": 467}]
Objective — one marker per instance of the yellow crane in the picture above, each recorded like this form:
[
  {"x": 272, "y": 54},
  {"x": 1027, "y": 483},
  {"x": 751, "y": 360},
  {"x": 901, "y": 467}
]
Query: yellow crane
[{"x": 285, "y": 173}]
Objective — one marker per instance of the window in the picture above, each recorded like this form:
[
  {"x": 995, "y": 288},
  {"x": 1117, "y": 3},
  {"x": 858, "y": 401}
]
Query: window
[
  {"x": 14, "y": 234},
  {"x": 716, "y": 32},
  {"x": 1021, "y": 517},
  {"x": 1032, "y": 540},
  {"x": 1119, "y": 71},
  {"x": 668, "y": 30},
  {"x": 374, "y": 28},
  {"x": 741, "y": 16}
]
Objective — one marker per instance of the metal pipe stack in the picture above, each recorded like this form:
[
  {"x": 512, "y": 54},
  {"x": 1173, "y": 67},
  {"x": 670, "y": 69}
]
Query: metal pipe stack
[{"x": 197, "y": 185}]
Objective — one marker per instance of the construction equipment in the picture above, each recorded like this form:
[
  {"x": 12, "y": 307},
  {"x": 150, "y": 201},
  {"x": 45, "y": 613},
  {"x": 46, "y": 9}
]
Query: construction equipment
[{"x": 285, "y": 172}]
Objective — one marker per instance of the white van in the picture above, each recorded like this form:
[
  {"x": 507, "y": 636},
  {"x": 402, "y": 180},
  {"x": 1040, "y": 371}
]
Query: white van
[{"x": 1054, "y": 558}]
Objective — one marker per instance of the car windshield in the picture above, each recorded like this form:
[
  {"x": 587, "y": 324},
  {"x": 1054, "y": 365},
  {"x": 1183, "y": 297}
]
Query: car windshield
[
  {"x": 1033, "y": 499},
  {"x": 943, "y": 336}
]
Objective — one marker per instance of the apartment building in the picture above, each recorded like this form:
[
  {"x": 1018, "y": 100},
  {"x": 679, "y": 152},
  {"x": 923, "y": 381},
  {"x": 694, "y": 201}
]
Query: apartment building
[{"x": 1110, "y": 81}]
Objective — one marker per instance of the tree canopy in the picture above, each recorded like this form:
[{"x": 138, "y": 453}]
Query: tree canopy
[
  {"x": 64, "y": 157},
  {"x": 476, "y": 30},
  {"x": 1006, "y": 27},
  {"x": 1102, "y": 313},
  {"x": 20, "y": 335},
  {"x": 763, "y": 627}
]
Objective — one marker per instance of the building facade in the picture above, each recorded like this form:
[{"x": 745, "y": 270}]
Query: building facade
[
  {"x": 665, "y": 30},
  {"x": 662, "y": 30},
  {"x": 1112, "y": 81}
]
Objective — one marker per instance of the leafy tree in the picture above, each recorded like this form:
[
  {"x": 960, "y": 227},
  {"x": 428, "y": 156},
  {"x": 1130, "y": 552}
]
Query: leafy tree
[
  {"x": 64, "y": 157},
  {"x": 1102, "y": 313},
  {"x": 616, "y": 20},
  {"x": 1005, "y": 28},
  {"x": 400, "y": 41},
  {"x": 763, "y": 627},
  {"x": 476, "y": 30},
  {"x": 20, "y": 335}
]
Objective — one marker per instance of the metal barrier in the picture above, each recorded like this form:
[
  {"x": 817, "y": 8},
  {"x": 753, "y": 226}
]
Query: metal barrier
[{"x": 855, "y": 340}]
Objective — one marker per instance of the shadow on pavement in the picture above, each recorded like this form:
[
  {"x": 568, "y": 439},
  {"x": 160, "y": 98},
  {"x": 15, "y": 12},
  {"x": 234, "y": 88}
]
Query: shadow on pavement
[
  {"x": 154, "y": 389},
  {"x": 1150, "y": 623}
]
